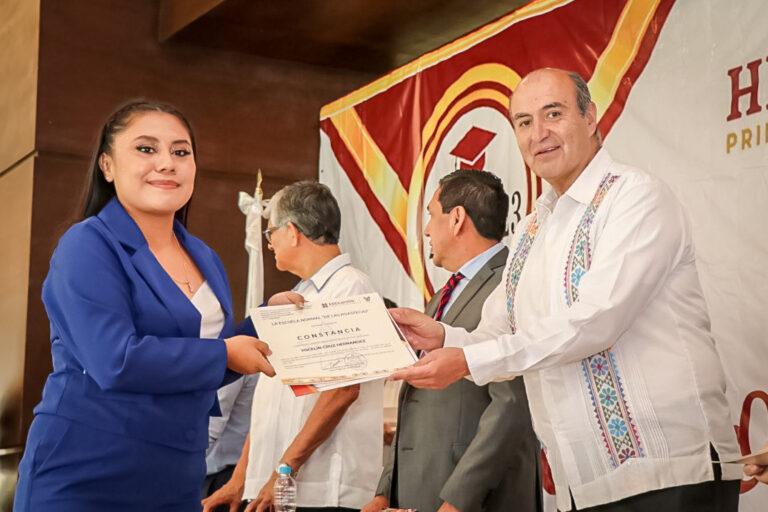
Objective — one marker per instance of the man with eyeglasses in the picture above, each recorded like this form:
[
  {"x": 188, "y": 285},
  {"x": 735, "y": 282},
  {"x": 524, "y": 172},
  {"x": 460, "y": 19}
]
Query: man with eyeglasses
[{"x": 331, "y": 440}]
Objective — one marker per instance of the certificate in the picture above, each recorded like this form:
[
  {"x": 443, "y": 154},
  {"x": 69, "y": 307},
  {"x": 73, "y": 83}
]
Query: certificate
[{"x": 334, "y": 342}]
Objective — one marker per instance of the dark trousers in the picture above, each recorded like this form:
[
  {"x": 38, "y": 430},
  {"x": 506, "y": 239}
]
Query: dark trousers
[
  {"x": 715, "y": 496},
  {"x": 325, "y": 509},
  {"x": 215, "y": 481}
]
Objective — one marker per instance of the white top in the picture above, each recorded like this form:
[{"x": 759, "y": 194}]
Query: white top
[
  {"x": 344, "y": 470},
  {"x": 640, "y": 413},
  {"x": 212, "y": 317}
]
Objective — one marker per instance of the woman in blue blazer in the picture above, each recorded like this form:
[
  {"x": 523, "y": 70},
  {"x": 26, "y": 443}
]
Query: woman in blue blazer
[{"x": 123, "y": 422}]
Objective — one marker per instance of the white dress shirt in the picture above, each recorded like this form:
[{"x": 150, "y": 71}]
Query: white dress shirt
[
  {"x": 211, "y": 315},
  {"x": 611, "y": 332},
  {"x": 345, "y": 469}
]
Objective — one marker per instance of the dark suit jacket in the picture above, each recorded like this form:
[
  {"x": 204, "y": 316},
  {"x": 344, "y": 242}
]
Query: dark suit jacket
[
  {"x": 125, "y": 341},
  {"x": 472, "y": 446}
]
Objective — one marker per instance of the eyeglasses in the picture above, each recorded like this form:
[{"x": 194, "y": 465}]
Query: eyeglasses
[{"x": 268, "y": 233}]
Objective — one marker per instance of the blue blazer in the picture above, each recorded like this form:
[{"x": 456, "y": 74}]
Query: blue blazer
[{"x": 126, "y": 346}]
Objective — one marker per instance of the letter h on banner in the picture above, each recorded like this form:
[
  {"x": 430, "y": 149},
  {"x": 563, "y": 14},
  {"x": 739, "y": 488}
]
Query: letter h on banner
[{"x": 737, "y": 92}]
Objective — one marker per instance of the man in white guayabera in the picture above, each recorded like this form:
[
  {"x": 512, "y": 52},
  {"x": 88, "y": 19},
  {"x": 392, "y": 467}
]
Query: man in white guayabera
[
  {"x": 332, "y": 439},
  {"x": 601, "y": 311}
]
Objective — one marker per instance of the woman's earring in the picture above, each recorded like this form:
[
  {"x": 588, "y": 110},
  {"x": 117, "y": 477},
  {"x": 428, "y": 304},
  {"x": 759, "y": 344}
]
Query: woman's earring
[{"x": 103, "y": 166}]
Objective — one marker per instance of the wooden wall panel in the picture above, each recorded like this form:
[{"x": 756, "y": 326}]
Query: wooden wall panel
[
  {"x": 15, "y": 228},
  {"x": 176, "y": 14},
  {"x": 374, "y": 35},
  {"x": 19, "y": 37},
  {"x": 19, "y": 29},
  {"x": 56, "y": 191},
  {"x": 248, "y": 112}
]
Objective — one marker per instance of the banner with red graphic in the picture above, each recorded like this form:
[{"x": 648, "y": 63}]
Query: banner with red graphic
[{"x": 681, "y": 90}]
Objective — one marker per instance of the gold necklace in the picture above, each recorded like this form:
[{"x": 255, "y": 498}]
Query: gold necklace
[{"x": 184, "y": 266}]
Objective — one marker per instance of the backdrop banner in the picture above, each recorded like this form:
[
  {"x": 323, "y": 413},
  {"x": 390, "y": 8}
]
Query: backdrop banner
[{"x": 681, "y": 90}]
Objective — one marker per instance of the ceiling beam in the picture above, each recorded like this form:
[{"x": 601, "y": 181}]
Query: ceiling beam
[{"x": 175, "y": 15}]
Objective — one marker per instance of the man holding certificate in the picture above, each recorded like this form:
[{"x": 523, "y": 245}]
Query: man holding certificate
[
  {"x": 601, "y": 311},
  {"x": 466, "y": 448},
  {"x": 332, "y": 439}
]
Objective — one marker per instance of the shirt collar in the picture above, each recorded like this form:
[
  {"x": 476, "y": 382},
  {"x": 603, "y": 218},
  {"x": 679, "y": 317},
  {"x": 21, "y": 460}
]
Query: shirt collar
[
  {"x": 546, "y": 201},
  {"x": 583, "y": 189},
  {"x": 322, "y": 276},
  {"x": 473, "y": 266}
]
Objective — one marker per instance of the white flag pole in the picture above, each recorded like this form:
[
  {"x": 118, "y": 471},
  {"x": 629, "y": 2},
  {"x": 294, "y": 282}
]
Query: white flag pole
[{"x": 252, "y": 207}]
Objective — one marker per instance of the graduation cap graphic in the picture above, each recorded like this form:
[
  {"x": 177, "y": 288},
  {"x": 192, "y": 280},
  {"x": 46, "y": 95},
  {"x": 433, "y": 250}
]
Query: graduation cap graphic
[{"x": 470, "y": 151}]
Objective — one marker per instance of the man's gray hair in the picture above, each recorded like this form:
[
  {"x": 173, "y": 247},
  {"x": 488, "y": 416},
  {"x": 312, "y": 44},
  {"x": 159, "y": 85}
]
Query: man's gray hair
[
  {"x": 583, "y": 99},
  {"x": 310, "y": 207}
]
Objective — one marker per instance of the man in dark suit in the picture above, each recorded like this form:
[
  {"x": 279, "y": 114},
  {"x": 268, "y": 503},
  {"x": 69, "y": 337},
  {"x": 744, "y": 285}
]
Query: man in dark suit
[{"x": 466, "y": 448}]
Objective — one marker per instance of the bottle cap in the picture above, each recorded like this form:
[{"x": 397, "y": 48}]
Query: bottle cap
[{"x": 284, "y": 469}]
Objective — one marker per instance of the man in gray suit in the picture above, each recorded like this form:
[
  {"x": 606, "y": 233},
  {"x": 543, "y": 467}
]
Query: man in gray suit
[{"x": 466, "y": 448}]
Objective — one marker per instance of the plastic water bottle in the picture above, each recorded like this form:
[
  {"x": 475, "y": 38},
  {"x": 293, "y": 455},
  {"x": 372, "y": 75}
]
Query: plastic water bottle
[{"x": 285, "y": 490}]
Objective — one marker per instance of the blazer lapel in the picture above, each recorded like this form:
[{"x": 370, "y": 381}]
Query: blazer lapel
[
  {"x": 167, "y": 292},
  {"x": 483, "y": 275},
  {"x": 123, "y": 227},
  {"x": 431, "y": 308},
  {"x": 467, "y": 293}
]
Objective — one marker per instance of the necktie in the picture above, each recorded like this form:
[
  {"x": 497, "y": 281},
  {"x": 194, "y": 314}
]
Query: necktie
[{"x": 447, "y": 291}]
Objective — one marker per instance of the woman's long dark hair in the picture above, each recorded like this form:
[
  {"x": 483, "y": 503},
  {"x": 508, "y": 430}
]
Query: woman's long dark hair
[{"x": 99, "y": 190}]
